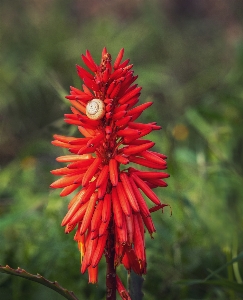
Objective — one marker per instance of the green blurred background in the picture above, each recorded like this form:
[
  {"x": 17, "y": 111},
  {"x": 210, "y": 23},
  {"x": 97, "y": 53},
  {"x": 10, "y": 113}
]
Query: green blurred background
[{"x": 189, "y": 58}]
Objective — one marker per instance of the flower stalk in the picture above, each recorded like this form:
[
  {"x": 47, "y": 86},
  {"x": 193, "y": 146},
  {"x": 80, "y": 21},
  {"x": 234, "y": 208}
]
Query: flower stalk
[{"x": 111, "y": 270}]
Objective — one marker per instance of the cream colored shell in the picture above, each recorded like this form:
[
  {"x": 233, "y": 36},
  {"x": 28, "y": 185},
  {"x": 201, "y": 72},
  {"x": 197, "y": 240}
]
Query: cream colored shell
[{"x": 95, "y": 109}]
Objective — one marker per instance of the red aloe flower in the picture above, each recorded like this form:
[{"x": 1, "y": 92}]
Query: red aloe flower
[{"x": 109, "y": 211}]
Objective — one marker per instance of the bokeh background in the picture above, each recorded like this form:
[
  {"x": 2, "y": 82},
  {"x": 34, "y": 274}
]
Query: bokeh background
[{"x": 189, "y": 58}]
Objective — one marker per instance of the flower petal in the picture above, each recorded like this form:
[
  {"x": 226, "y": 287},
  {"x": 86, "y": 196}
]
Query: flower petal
[
  {"x": 91, "y": 171},
  {"x": 125, "y": 205},
  {"x": 129, "y": 191},
  {"x": 145, "y": 188},
  {"x": 106, "y": 211},
  {"x": 88, "y": 214},
  {"x": 118, "y": 59},
  {"x": 99, "y": 250},
  {"x": 117, "y": 210},
  {"x": 96, "y": 216},
  {"x": 113, "y": 169}
]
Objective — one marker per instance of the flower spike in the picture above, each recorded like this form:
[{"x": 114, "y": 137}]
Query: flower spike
[{"x": 109, "y": 210}]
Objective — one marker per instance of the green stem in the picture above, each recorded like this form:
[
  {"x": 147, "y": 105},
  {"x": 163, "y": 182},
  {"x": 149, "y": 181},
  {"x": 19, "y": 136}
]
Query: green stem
[
  {"x": 230, "y": 273},
  {"x": 135, "y": 284}
]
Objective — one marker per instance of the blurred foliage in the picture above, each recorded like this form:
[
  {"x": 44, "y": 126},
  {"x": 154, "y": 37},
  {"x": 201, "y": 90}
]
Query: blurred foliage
[{"x": 189, "y": 58}]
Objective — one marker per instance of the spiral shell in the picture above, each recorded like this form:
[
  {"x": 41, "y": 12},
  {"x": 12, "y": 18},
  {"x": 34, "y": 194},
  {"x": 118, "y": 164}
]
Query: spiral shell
[{"x": 95, "y": 109}]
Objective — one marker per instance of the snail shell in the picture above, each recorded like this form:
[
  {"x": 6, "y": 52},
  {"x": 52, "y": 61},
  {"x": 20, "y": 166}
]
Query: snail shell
[{"x": 95, "y": 109}]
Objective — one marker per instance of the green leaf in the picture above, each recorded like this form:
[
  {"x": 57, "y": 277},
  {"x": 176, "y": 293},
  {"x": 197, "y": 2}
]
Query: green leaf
[
  {"x": 54, "y": 285},
  {"x": 237, "y": 258},
  {"x": 220, "y": 281}
]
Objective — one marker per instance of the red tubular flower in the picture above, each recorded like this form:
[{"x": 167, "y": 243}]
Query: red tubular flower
[{"x": 109, "y": 201}]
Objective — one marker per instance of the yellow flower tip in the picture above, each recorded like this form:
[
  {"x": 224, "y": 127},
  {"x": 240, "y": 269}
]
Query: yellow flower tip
[{"x": 81, "y": 248}]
